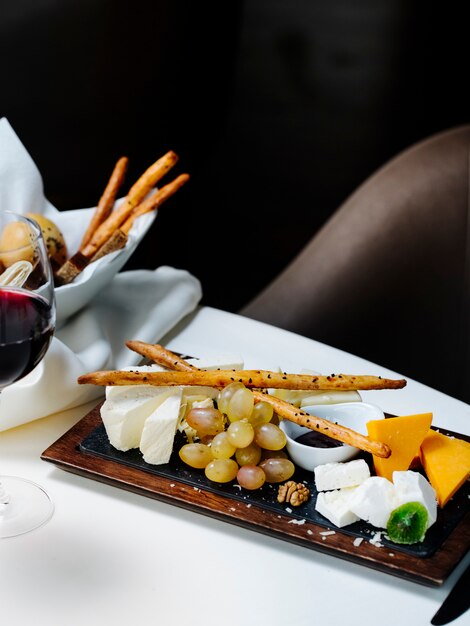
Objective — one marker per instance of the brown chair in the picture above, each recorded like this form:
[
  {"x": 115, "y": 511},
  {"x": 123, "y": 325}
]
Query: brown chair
[{"x": 388, "y": 276}]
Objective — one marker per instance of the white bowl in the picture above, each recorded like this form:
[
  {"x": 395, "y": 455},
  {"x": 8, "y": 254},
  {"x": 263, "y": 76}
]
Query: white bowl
[
  {"x": 354, "y": 415},
  {"x": 96, "y": 276}
]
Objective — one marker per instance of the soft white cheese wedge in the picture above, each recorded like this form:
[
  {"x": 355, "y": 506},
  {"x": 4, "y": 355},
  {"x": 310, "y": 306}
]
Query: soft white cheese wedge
[
  {"x": 124, "y": 414},
  {"x": 156, "y": 443},
  {"x": 335, "y": 506},
  {"x": 338, "y": 475},
  {"x": 413, "y": 487},
  {"x": 374, "y": 500}
]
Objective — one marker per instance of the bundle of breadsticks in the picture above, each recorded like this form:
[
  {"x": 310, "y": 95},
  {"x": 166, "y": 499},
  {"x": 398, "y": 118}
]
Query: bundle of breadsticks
[
  {"x": 109, "y": 227},
  {"x": 260, "y": 381}
]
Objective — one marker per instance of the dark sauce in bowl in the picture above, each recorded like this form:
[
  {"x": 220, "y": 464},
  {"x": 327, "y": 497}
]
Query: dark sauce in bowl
[{"x": 315, "y": 439}]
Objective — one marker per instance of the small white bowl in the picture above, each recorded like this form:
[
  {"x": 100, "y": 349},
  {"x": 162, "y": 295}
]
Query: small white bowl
[{"x": 354, "y": 415}]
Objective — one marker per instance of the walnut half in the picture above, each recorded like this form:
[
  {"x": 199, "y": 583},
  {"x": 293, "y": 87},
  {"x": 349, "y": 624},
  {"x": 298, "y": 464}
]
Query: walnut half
[{"x": 293, "y": 493}]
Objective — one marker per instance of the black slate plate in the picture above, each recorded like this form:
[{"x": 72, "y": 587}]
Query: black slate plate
[{"x": 97, "y": 443}]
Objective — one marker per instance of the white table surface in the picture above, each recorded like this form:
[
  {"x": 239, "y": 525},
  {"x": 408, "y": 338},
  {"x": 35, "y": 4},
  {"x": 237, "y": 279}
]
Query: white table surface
[{"x": 112, "y": 557}]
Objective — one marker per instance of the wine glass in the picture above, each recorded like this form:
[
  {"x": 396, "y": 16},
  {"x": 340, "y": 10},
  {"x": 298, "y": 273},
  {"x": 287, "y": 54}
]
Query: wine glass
[{"x": 27, "y": 323}]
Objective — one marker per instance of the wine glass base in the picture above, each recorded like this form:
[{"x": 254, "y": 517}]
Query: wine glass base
[{"x": 28, "y": 508}]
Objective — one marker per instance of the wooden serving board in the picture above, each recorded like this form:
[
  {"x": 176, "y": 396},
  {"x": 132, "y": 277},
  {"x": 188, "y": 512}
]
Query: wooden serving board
[{"x": 82, "y": 450}]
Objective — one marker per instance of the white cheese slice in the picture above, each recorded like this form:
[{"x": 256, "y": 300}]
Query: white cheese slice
[
  {"x": 158, "y": 434},
  {"x": 374, "y": 500},
  {"x": 338, "y": 475},
  {"x": 413, "y": 487},
  {"x": 124, "y": 414},
  {"x": 335, "y": 506}
]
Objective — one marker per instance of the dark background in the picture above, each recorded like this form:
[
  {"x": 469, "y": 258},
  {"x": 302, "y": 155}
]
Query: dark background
[{"x": 278, "y": 110}]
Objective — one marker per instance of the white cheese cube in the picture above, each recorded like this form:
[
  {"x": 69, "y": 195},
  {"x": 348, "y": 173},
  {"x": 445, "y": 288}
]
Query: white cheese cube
[
  {"x": 335, "y": 506},
  {"x": 124, "y": 414},
  {"x": 374, "y": 500},
  {"x": 158, "y": 434},
  {"x": 338, "y": 475},
  {"x": 413, "y": 487}
]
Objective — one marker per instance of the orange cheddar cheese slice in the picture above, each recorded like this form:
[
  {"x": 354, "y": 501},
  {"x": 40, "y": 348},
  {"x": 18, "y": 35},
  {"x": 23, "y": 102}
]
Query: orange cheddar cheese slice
[
  {"x": 446, "y": 461},
  {"x": 403, "y": 435}
]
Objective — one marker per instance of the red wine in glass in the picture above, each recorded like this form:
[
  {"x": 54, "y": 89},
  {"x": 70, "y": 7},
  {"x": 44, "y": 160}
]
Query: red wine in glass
[
  {"x": 27, "y": 320},
  {"x": 25, "y": 338}
]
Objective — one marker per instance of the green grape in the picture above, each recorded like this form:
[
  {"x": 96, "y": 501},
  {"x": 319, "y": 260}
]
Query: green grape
[
  {"x": 221, "y": 470},
  {"x": 270, "y": 436},
  {"x": 250, "y": 455},
  {"x": 273, "y": 454},
  {"x": 251, "y": 477},
  {"x": 240, "y": 405},
  {"x": 207, "y": 421},
  {"x": 277, "y": 470},
  {"x": 221, "y": 446},
  {"x": 196, "y": 455},
  {"x": 225, "y": 395},
  {"x": 206, "y": 439},
  {"x": 262, "y": 414},
  {"x": 240, "y": 434}
]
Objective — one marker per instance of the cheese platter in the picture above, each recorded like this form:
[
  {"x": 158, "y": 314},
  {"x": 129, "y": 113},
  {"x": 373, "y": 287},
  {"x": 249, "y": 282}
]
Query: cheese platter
[{"x": 102, "y": 447}]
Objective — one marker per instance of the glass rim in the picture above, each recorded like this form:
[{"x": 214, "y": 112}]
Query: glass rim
[{"x": 22, "y": 219}]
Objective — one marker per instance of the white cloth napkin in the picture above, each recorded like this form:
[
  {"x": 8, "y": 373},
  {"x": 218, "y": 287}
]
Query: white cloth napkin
[
  {"x": 141, "y": 304},
  {"x": 97, "y": 312}
]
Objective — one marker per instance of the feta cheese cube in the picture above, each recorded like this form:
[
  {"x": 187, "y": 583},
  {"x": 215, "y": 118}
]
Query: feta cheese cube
[
  {"x": 374, "y": 500},
  {"x": 334, "y": 505},
  {"x": 156, "y": 443},
  {"x": 124, "y": 414},
  {"x": 413, "y": 487},
  {"x": 338, "y": 475}
]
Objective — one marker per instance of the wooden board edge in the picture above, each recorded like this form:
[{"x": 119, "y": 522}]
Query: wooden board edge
[{"x": 65, "y": 454}]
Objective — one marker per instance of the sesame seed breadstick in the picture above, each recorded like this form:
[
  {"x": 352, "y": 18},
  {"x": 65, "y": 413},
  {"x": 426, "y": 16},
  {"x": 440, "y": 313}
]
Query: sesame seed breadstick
[
  {"x": 250, "y": 378},
  {"x": 107, "y": 200},
  {"x": 154, "y": 201},
  {"x": 137, "y": 193},
  {"x": 164, "y": 357}
]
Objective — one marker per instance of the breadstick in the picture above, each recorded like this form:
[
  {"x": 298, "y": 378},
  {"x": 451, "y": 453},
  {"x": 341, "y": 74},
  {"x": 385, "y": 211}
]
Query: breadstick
[
  {"x": 250, "y": 378},
  {"x": 161, "y": 355},
  {"x": 136, "y": 194},
  {"x": 164, "y": 357},
  {"x": 107, "y": 200},
  {"x": 150, "y": 178},
  {"x": 330, "y": 429},
  {"x": 154, "y": 201}
]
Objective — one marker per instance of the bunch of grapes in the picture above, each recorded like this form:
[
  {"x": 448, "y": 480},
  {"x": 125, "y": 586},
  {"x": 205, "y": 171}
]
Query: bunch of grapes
[{"x": 238, "y": 439}]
